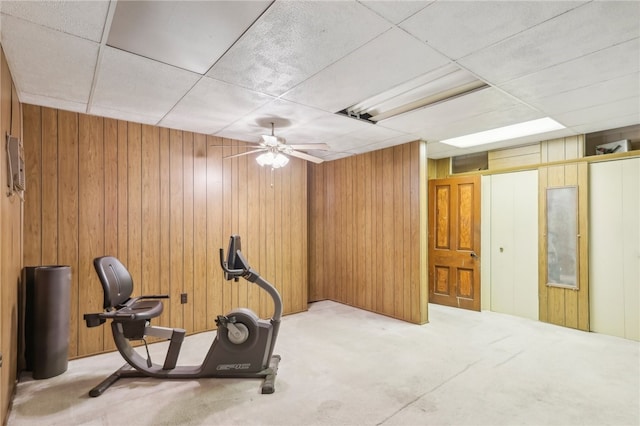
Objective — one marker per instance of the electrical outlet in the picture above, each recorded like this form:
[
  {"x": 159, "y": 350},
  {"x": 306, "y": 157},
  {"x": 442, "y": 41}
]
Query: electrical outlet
[{"x": 183, "y": 298}]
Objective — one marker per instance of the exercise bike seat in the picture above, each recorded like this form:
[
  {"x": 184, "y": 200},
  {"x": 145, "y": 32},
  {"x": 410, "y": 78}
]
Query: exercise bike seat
[{"x": 118, "y": 303}]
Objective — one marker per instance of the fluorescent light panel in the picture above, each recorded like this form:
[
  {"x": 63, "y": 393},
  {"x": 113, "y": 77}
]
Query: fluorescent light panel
[
  {"x": 513, "y": 131},
  {"x": 435, "y": 86}
]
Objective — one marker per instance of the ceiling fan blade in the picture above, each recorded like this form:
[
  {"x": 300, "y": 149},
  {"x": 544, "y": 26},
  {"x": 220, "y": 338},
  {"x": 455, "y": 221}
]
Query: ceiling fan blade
[
  {"x": 322, "y": 146},
  {"x": 237, "y": 146},
  {"x": 245, "y": 153},
  {"x": 305, "y": 157}
]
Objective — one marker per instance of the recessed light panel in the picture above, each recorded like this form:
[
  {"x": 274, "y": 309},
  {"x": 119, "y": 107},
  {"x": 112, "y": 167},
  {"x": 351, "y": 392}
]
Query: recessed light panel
[{"x": 513, "y": 131}]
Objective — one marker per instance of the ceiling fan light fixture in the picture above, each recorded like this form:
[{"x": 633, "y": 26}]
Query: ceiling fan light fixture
[
  {"x": 265, "y": 159},
  {"x": 280, "y": 160},
  {"x": 275, "y": 160}
]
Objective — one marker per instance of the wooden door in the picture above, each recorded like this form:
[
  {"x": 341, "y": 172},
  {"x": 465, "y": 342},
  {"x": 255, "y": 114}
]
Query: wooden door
[{"x": 454, "y": 242}]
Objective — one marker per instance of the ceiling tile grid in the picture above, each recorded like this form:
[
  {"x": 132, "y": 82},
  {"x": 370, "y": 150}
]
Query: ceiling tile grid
[
  {"x": 600, "y": 123},
  {"x": 130, "y": 83},
  {"x": 48, "y": 63},
  {"x": 191, "y": 35},
  {"x": 284, "y": 114},
  {"x": 211, "y": 105},
  {"x": 459, "y": 28},
  {"x": 366, "y": 146},
  {"x": 492, "y": 119},
  {"x": 593, "y": 114},
  {"x": 602, "y": 65},
  {"x": 293, "y": 40},
  {"x": 396, "y": 11},
  {"x": 324, "y": 128},
  {"x": 364, "y": 139},
  {"x": 587, "y": 29},
  {"x": 600, "y": 93},
  {"x": 443, "y": 114},
  {"x": 375, "y": 67},
  {"x": 46, "y": 101},
  {"x": 232, "y": 68},
  {"x": 85, "y": 19}
]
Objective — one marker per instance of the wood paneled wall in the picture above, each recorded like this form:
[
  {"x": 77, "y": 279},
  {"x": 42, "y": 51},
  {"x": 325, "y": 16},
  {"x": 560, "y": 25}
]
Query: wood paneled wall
[
  {"x": 563, "y": 306},
  {"x": 519, "y": 156},
  {"x": 10, "y": 243},
  {"x": 163, "y": 201},
  {"x": 367, "y": 229}
]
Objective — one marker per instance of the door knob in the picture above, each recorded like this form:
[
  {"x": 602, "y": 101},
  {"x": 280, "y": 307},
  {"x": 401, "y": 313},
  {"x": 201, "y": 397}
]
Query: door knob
[{"x": 474, "y": 255}]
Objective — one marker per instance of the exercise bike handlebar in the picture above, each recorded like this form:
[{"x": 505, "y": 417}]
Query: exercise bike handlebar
[
  {"x": 230, "y": 273},
  {"x": 252, "y": 276}
]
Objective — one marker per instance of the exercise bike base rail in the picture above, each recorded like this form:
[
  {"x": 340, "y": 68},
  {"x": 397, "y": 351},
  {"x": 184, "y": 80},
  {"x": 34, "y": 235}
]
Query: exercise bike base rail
[{"x": 127, "y": 372}]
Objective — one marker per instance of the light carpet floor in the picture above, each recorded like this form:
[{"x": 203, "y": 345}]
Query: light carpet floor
[{"x": 345, "y": 366}]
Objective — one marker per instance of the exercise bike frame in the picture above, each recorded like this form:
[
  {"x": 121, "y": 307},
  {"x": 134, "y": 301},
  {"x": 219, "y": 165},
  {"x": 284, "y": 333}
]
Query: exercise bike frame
[{"x": 252, "y": 358}]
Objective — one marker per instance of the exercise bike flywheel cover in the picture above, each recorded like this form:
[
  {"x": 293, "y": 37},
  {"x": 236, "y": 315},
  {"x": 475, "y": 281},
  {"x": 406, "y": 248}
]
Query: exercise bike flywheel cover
[{"x": 246, "y": 318}]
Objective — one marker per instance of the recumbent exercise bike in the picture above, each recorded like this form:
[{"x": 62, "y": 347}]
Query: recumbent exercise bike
[{"x": 242, "y": 348}]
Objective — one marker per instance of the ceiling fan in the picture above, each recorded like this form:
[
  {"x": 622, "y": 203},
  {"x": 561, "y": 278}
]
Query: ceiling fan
[{"x": 275, "y": 150}]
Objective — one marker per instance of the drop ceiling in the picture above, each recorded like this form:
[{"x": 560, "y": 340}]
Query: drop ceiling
[{"x": 228, "y": 68}]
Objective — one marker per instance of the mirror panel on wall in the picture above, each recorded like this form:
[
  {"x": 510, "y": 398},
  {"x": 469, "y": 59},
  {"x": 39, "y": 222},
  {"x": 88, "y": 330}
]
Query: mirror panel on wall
[{"x": 562, "y": 237}]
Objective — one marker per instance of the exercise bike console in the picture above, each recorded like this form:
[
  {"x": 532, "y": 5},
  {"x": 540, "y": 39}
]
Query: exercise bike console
[
  {"x": 243, "y": 345},
  {"x": 235, "y": 266}
]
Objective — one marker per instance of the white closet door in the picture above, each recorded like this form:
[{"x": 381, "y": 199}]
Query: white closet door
[
  {"x": 514, "y": 244},
  {"x": 614, "y": 248}
]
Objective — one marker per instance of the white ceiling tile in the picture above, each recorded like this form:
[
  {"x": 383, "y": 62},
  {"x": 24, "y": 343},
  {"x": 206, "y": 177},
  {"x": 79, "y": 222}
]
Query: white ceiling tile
[
  {"x": 331, "y": 156},
  {"x": 396, "y": 11},
  {"x": 211, "y": 105},
  {"x": 374, "y": 68},
  {"x": 600, "y": 93},
  {"x": 437, "y": 150},
  {"x": 47, "y": 62},
  {"x": 282, "y": 113},
  {"x": 603, "y": 65},
  {"x": 84, "y": 19},
  {"x": 564, "y": 38},
  {"x": 608, "y": 123},
  {"x": 365, "y": 136},
  {"x": 294, "y": 40},
  {"x": 386, "y": 143},
  {"x": 189, "y": 34},
  {"x": 323, "y": 129},
  {"x": 457, "y": 109},
  {"x": 35, "y": 99},
  {"x": 485, "y": 121},
  {"x": 131, "y": 83},
  {"x": 619, "y": 108},
  {"x": 458, "y": 28},
  {"x": 136, "y": 117}
]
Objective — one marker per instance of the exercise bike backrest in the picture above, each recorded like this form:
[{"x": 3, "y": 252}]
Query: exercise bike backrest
[
  {"x": 236, "y": 265},
  {"x": 118, "y": 285},
  {"x": 115, "y": 279}
]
